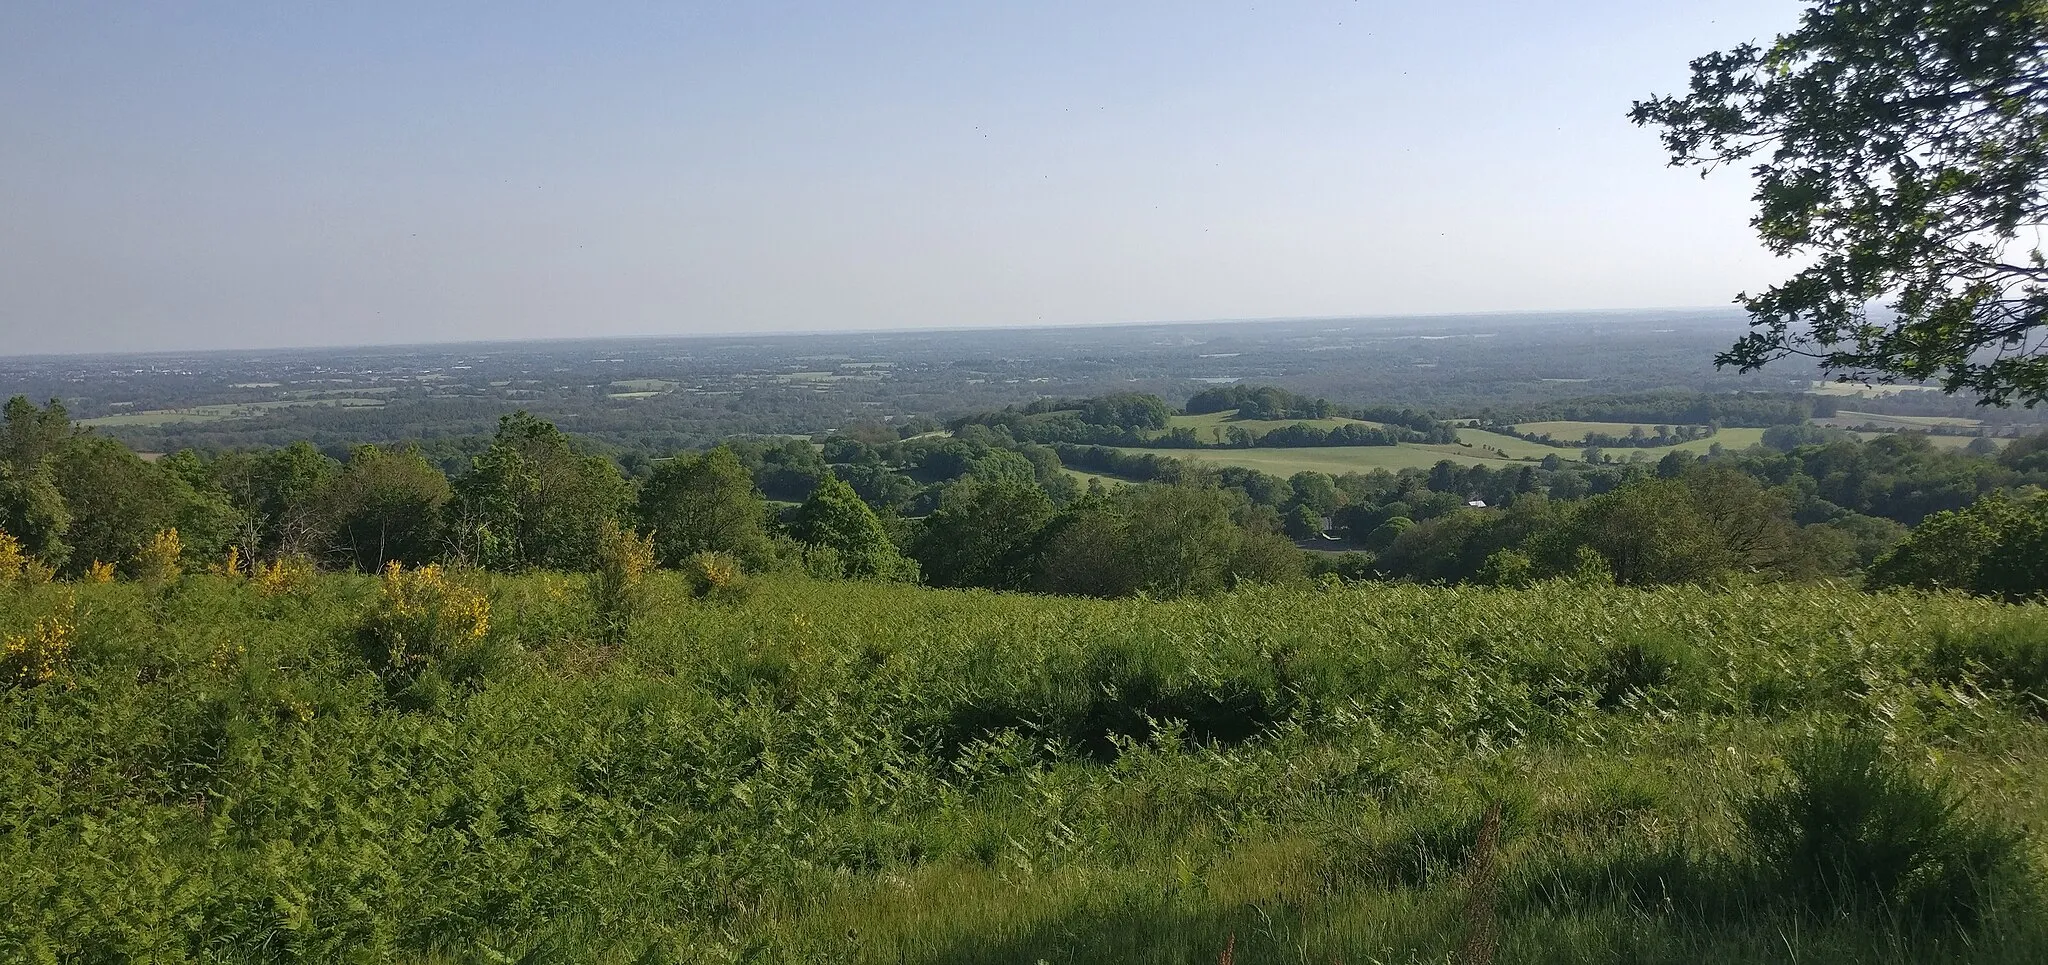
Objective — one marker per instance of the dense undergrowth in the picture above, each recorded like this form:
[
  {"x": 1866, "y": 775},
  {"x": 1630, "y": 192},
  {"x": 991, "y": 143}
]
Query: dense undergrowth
[{"x": 217, "y": 770}]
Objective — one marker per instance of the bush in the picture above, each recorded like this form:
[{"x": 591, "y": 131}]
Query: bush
[
  {"x": 421, "y": 618},
  {"x": 715, "y": 576},
  {"x": 1853, "y": 828},
  {"x": 2012, "y": 655}
]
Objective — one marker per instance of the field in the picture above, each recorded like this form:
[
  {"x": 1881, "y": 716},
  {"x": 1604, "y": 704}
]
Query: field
[
  {"x": 225, "y": 411},
  {"x": 832, "y": 772},
  {"x": 1855, "y": 389},
  {"x": 1939, "y": 442},
  {"x": 1848, "y": 419},
  {"x": 1491, "y": 449}
]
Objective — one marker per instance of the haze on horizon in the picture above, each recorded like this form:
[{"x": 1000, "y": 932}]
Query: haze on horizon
[{"x": 252, "y": 175}]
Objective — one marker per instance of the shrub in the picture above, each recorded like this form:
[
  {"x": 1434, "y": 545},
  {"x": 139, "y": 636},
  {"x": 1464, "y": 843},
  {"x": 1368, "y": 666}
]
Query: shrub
[
  {"x": 12, "y": 559},
  {"x": 99, "y": 572},
  {"x": 617, "y": 588},
  {"x": 284, "y": 574},
  {"x": 1853, "y": 828},
  {"x": 422, "y": 616},
  {"x": 2012, "y": 655},
  {"x": 38, "y": 656},
  {"x": 714, "y": 575},
  {"x": 159, "y": 561}
]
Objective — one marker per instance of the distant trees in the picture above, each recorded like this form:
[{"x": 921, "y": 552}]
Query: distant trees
[
  {"x": 835, "y": 521},
  {"x": 1161, "y": 540},
  {"x": 984, "y": 532}
]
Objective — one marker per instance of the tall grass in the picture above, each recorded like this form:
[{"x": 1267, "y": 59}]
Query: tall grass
[{"x": 871, "y": 773}]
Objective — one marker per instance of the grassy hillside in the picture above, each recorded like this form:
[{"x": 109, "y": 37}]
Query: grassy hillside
[{"x": 861, "y": 773}]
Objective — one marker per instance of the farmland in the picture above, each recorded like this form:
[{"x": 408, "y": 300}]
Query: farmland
[
  {"x": 1479, "y": 448},
  {"x": 867, "y": 773},
  {"x": 227, "y": 411}
]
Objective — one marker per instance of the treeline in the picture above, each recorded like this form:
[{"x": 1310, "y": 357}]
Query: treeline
[
  {"x": 1138, "y": 420},
  {"x": 1754, "y": 410},
  {"x": 980, "y": 509},
  {"x": 1636, "y": 438}
]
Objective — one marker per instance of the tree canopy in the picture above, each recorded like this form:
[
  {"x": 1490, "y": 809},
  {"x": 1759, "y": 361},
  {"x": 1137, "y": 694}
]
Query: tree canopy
[{"x": 1900, "y": 149}]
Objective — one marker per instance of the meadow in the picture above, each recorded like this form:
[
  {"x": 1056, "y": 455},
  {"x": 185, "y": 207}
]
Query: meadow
[{"x": 476, "y": 768}]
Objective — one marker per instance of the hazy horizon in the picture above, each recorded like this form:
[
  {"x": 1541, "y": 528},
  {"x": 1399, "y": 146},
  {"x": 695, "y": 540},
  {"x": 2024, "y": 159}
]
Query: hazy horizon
[{"x": 250, "y": 177}]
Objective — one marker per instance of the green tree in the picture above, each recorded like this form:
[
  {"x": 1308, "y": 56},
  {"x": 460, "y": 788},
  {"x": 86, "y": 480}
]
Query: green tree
[
  {"x": 983, "y": 533},
  {"x": 705, "y": 504},
  {"x": 280, "y": 495},
  {"x": 1900, "y": 150},
  {"x": 31, "y": 508},
  {"x": 1998, "y": 546},
  {"x": 386, "y": 506},
  {"x": 117, "y": 501},
  {"x": 834, "y": 518},
  {"x": 531, "y": 500}
]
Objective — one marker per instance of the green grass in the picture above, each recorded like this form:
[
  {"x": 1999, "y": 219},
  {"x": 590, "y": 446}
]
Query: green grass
[
  {"x": 649, "y": 386},
  {"x": 865, "y": 773},
  {"x": 1481, "y": 448},
  {"x": 1575, "y": 431},
  {"x": 1846, "y": 417},
  {"x": 1853, "y": 389},
  {"x": 1939, "y": 442}
]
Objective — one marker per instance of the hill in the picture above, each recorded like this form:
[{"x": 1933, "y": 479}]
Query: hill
[{"x": 242, "y": 770}]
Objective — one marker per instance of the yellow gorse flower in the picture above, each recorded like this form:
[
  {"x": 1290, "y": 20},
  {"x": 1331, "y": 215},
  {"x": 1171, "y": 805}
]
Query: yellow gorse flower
[
  {"x": 160, "y": 558},
  {"x": 12, "y": 560},
  {"x": 38, "y": 656}
]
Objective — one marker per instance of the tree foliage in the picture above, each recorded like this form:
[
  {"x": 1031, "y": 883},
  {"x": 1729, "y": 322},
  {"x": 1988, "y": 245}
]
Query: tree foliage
[{"x": 1901, "y": 149}]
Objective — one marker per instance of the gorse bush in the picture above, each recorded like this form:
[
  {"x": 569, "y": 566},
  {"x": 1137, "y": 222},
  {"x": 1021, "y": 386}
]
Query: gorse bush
[
  {"x": 422, "y": 617},
  {"x": 161, "y": 559},
  {"x": 618, "y": 586},
  {"x": 39, "y": 655}
]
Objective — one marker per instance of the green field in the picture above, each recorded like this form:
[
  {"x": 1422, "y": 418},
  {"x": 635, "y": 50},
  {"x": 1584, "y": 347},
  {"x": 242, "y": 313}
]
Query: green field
[
  {"x": 1845, "y": 418},
  {"x": 1491, "y": 449},
  {"x": 1939, "y": 442},
  {"x": 1334, "y": 460},
  {"x": 647, "y": 386},
  {"x": 860, "y": 773},
  {"x": 1853, "y": 389},
  {"x": 224, "y": 412}
]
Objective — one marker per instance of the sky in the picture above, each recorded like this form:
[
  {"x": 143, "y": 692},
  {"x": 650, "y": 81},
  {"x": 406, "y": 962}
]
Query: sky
[{"x": 254, "y": 175}]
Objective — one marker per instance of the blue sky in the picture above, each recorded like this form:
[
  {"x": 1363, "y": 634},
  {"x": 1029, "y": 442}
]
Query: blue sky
[{"x": 250, "y": 175}]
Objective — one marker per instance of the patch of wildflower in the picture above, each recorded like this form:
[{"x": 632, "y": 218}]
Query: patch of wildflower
[
  {"x": 99, "y": 572},
  {"x": 161, "y": 559},
  {"x": 284, "y": 574},
  {"x": 39, "y": 656},
  {"x": 421, "y": 616},
  {"x": 12, "y": 560}
]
